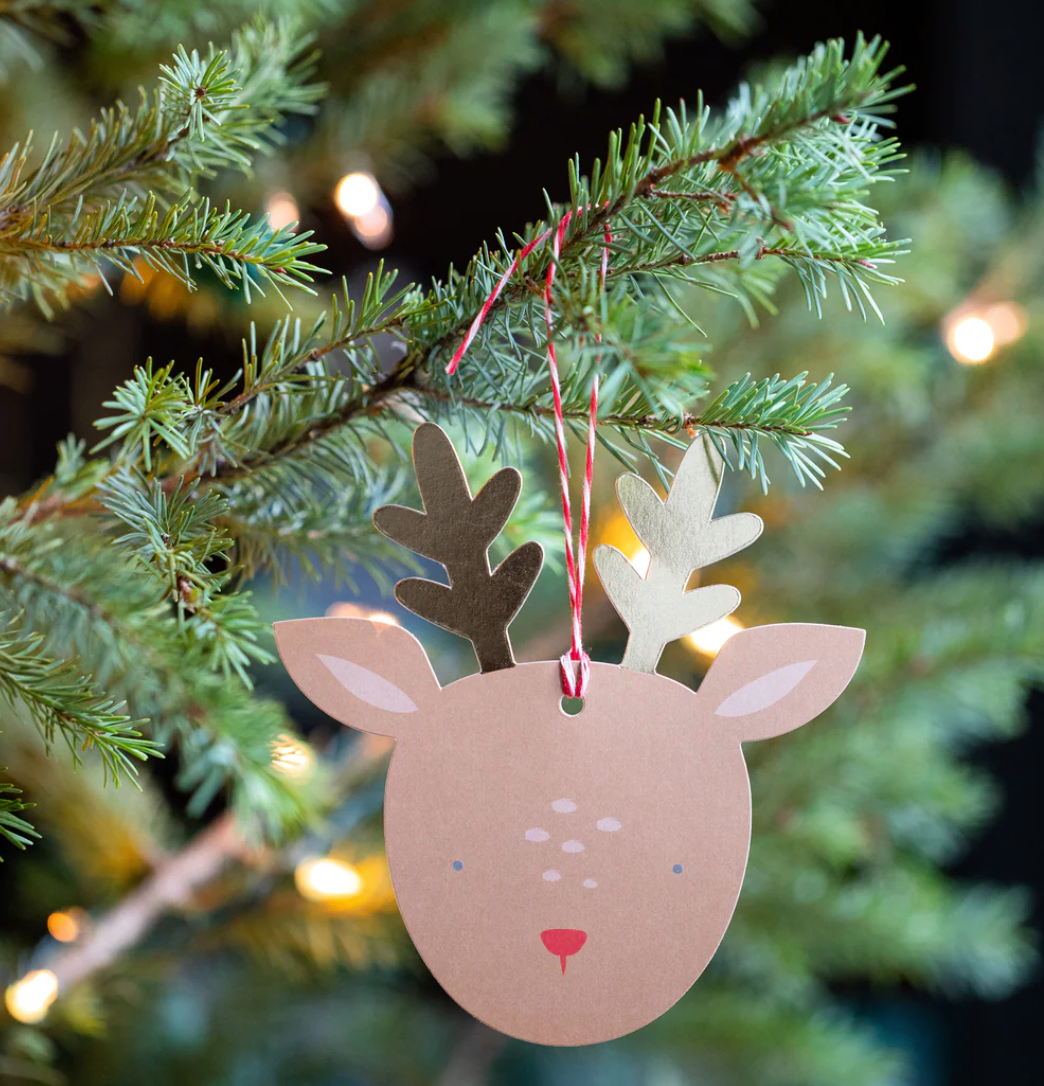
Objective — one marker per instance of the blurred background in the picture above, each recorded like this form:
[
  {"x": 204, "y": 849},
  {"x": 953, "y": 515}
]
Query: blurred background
[{"x": 886, "y": 933}]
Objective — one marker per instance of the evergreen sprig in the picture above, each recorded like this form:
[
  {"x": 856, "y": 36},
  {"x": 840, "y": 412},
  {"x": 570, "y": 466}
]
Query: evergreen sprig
[
  {"x": 779, "y": 179},
  {"x": 63, "y": 704},
  {"x": 14, "y": 829},
  {"x": 125, "y": 186},
  {"x": 791, "y": 415}
]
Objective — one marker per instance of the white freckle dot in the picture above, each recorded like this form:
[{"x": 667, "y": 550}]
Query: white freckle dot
[
  {"x": 537, "y": 835},
  {"x": 609, "y": 825},
  {"x": 572, "y": 846},
  {"x": 551, "y": 876},
  {"x": 563, "y": 806},
  {"x": 590, "y": 883}
]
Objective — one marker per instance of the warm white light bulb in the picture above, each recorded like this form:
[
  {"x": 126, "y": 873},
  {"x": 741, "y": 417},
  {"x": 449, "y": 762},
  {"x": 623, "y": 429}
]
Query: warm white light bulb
[
  {"x": 374, "y": 229},
  {"x": 326, "y": 879},
  {"x": 641, "y": 561},
  {"x": 344, "y": 609},
  {"x": 1007, "y": 320},
  {"x": 710, "y": 639},
  {"x": 282, "y": 210},
  {"x": 971, "y": 340},
  {"x": 29, "y": 999},
  {"x": 357, "y": 194},
  {"x": 66, "y": 925},
  {"x": 290, "y": 758}
]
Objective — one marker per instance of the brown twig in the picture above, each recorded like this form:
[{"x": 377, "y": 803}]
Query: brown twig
[
  {"x": 174, "y": 883},
  {"x": 171, "y": 885}
]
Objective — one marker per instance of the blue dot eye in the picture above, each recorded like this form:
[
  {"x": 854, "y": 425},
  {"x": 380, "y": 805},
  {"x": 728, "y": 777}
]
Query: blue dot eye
[
  {"x": 457, "y": 865},
  {"x": 677, "y": 869}
]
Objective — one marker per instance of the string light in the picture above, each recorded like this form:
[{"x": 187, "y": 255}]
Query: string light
[
  {"x": 374, "y": 229},
  {"x": 972, "y": 340},
  {"x": 29, "y": 999},
  {"x": 617, "y": 532},
  {"x": 357, "y": 194},
  {"x": 354, "y": 610},
  {"x": 290, "y": 757},
  {"x": 973, "y": 336},
  {"x": 66, "y": 924},
  {"x": 327, "y": 879},
  {"x": 710, "y": 638},
  {"x": 641, "y": 560},
  {"x": 363, "y": 204},
  {"x": 282, "y": 210}
]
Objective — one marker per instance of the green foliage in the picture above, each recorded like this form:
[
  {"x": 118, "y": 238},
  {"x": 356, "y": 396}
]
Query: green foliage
[
  {"x": 104, "y": 196},
  {"x": 13, "y": 829},
  {"x": 64, "y": 705},
  {"x": 132, "y": 561}
]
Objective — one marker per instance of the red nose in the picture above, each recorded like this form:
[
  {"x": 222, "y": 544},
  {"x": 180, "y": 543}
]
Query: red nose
[{"x": 562, "y": 942}]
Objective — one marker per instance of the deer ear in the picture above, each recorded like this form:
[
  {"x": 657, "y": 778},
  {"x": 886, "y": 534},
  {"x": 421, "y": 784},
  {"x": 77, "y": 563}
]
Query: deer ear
[
  {"x": 369, "y": 675},
  {"x": 772, "y": 679}
]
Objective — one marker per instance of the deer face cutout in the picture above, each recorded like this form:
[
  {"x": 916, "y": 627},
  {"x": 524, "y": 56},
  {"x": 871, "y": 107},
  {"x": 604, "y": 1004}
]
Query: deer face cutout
[{"x": 567, "y": 878}]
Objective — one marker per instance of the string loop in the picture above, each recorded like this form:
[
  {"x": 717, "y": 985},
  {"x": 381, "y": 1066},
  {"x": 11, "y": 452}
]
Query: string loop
[{"x": 575, "y": 665}]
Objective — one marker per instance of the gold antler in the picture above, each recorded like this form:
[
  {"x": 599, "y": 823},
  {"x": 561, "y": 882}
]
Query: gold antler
[
  {"x": 457, "y": 530},
  {"x": 680, "y": 536}
]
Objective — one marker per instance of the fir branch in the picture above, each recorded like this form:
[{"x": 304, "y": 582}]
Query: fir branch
[
  {"x": 811, "y": 141},
  {"x": 13, "y": 829},
  {"x": 104, "y": 193},
  {"x": 62, "y": 703},
  {"x": 285, "y": 525},
  {"x": 789, "y": 414},
  {"x": 176, "y": 538},
  {"x": 812, "y": 136},
  {"x": 824, "y": 112},
  {"x": 164, "y": 669},
  {"x": 185, "y": 237}
]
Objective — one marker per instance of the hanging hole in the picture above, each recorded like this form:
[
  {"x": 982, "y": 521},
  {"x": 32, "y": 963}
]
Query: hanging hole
[{"x": 572, "y": 706}]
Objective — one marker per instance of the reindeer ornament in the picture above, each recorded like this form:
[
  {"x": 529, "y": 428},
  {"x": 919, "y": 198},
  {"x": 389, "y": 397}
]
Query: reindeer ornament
[{"x": 567, "y": 878}]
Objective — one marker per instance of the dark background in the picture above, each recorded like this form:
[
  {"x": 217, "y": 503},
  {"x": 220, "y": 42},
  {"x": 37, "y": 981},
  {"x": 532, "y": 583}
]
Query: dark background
[{"x": 978, "y": 67}]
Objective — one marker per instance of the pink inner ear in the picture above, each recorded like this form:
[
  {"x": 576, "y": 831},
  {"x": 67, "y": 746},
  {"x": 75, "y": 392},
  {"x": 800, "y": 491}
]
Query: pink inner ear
[
  {"x": 765, "y": 691},
  {"x": 368, "y": 686}
]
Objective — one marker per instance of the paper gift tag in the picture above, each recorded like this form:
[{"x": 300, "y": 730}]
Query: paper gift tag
[{"x": 566, "y": 878}]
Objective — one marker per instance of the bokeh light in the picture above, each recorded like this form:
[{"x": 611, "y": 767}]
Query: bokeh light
[
  {"x": 374, "y": 229},
  {"x": 29, "y": 999},
  {"x": 709, "y": 639},
  {"x": 357, "y": 194},
  {"x": 291, "y": 758},
  {"x": 282, "y": 210},
  {"x": 66, "y": 925},
  {"x": 326, "y": 879},
  {"x": 973, "y": 336},
  {"x": 364, "y": 205},
  {"x": 344, "y": 609}
]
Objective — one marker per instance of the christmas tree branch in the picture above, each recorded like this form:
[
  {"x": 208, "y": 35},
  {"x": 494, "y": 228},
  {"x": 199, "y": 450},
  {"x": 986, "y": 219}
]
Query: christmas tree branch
[
  {"x": 824, "y": 109},
  {"x": 171, "y": 668},
  {"x": 171, "y": 886},
  {"x": 186, "y": 235},
  {"x": 826, "y": 105},
  {"x": 104, "y": 194},
  {"x": 62, "y": 702},
  {"x": 14, "y": 829},
  {"x": 178, "y": 878}
]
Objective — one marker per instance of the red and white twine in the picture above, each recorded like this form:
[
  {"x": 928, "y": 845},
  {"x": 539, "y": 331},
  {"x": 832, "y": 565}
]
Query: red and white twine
[{"x": 575, "y": 664}]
